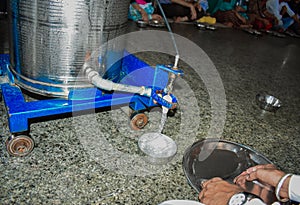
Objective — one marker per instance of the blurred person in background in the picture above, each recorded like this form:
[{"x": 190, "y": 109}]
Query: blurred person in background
[
  {"x": 285, "y": 16},
  {"x": 227, "y": 12},
  {"x": 181, "y": 10},
  {"x": 142, "y": 10}
]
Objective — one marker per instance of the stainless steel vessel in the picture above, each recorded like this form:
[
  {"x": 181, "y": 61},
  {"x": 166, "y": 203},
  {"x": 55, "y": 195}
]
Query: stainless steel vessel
[{"x": 50, "y": 39}]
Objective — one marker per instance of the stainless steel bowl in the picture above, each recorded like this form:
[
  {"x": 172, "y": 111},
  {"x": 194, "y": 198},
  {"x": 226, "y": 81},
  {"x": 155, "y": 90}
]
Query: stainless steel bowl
[
  {"x": 200, "y": 25},
  {"x": 157, "y": 23},
  {"x": 210, "y": 27},
  {"x": 268, "y": 102},
  {"x": 203, "y": 26},
  {"x": 157, "y": 148},
  {"x": 142, "y": 24}
]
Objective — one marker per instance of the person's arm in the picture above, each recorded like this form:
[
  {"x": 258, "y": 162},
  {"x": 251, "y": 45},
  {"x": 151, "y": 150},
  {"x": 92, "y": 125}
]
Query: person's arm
[
  {"x": 273, "y": 7},
  {"x": 267, "y": 14},
  {"x": 286, "y": 186},
  {"x": 141, "y": 10},
  {"x": 290, "y": 12},
  {"x": 198, "y": 6}
]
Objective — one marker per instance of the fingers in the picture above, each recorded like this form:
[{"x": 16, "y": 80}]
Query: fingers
[
  {"x": 202, "y": 183},
  {"x": 205, "y": 185},
  {"x": 217, "y": 191},
  {"x": 257, "y": 171},
  {"x": 241, "y": 179},
  {"x": 251, "y": 173},
  {"x": 261, "y": 166},
  {"x": 267, "y": 174},
  {"x": 201, "y": 195},
  {"x": 145, "y": 17}
]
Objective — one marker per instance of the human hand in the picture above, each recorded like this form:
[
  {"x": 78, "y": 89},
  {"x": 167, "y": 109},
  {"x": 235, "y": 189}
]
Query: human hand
[
  {"x": 216, "y": 191},
  {"x": 266, "y": 174},
  {"x": 156, "y": 17},
  {"x": 240, "y": 17},
  {"x": 239, "y": 9},
  {"x": 144, "y": 15},
  {"x": 265, "y": 192},
  {"x": 198, "y": 6}
]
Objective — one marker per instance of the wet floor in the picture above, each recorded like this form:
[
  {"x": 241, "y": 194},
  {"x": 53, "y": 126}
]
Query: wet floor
[{"x": 94, "y": 158}]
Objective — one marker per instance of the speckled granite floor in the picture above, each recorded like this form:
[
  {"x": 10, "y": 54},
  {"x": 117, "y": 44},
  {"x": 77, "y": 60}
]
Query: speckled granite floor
[{"x": 94, "y": 158}]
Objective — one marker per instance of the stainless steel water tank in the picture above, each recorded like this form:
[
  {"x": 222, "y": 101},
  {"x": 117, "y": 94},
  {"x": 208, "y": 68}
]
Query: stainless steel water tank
[{"x": 50, "y": 39}]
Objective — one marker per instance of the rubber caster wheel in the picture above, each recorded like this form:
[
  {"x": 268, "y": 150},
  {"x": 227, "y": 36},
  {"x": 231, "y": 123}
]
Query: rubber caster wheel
[
  {"x": 171, "y": 113},
  {"x": 19, "y": 146},
  {"x": 138, "y": 121}
]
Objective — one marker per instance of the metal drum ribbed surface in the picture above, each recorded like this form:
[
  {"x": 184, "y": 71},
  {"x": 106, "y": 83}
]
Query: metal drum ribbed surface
[{"x": 50, "y": 39}]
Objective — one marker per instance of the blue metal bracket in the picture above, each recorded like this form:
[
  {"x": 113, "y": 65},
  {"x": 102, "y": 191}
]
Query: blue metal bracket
[
  {"x": 19, "y": 111},
  {"x": 169, "y": 68}
]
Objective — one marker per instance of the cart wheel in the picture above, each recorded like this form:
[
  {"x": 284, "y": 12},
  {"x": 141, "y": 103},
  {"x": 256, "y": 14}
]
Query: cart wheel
[
  {"x": 138, "y": 121},
  {"x": 171, "y": 113},
  {"x": 19, "y": 146}
]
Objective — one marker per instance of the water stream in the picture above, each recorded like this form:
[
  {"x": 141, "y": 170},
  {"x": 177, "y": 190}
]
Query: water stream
[
  {"x": 171, "y": 80},
  {"x": 162, "y": 122}
]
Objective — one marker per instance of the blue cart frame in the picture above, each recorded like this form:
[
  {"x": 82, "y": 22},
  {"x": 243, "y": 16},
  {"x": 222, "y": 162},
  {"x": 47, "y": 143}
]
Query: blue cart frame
[{"x": 19, "y": 111}]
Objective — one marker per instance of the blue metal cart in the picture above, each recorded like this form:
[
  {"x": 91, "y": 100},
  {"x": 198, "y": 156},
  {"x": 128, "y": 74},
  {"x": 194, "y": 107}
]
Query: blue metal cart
[{"x": 19, "y": 111}]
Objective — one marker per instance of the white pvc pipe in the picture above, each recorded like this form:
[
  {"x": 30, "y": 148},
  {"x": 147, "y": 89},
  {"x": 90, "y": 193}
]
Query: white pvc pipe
[
  {"x": 108, "y": 85},
  {"x": 176, "y": 61}
]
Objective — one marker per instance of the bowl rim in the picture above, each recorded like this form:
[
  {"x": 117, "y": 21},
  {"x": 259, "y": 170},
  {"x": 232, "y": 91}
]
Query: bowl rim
[
  {"x": 142, "y": 23},
  {"x": 261, "y": 100}
]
